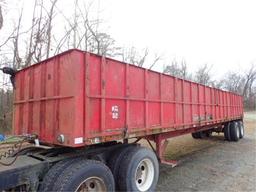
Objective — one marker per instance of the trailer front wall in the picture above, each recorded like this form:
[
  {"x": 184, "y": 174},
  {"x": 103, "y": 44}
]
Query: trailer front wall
[
  {"x": 113, "y": 100},
  {"x": 47, "y": 99}
]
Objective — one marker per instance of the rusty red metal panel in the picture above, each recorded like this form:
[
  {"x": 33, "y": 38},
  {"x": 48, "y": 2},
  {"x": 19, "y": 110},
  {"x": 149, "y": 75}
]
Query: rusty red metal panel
[{"x": 88, "y": 99}]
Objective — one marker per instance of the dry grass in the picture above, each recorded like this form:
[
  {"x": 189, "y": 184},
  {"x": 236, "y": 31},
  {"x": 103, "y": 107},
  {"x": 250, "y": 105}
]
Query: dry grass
[{"x": 183, "y": 145}]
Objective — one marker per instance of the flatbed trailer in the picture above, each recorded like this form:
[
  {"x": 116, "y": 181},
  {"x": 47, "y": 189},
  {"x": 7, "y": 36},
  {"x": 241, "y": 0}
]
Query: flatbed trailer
[{"x": 88, "y": 113}]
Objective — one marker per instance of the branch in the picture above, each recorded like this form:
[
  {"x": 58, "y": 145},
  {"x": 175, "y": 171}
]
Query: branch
[
  {"x": 142, "y": 60},
  {"x": 157, "y": 58},
  {"x": 1, "y": 18},
  {"x": 49, "y": 28}
]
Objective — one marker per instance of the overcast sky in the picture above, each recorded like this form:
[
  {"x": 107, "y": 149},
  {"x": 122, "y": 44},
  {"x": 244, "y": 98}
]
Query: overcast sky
[{"x": 221, "y": 33}]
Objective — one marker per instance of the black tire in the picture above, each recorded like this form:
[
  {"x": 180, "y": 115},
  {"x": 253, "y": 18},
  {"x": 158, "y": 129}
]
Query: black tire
[
  {"x": 198, "y": 135},
  {"x": 139, "y": 170},
  {"x": 227, "y": 132},
  {"x": 195, "y": 135},
  {"x": 234, "y": 131},
  {"x": 53, "y": 173},
  {"x": 201, "y": 134},
  {"x": 95, "y": 173},
  {"x": 208, "y": 133},
  {"x": 115, "y": 160},
  {"x": 241, "y": 129}
]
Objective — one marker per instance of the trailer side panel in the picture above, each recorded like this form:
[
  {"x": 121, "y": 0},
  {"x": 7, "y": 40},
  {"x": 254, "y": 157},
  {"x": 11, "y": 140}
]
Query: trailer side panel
[{"x": 77, "y": 98}]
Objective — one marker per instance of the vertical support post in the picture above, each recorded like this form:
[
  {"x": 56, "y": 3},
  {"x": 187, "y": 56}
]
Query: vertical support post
[
  {"x": 232, "y": 105},
  {"x": 222, "y": 105},
  {"x": 198, "y": 104},
  {"x": 216, "y": 104},
  {"x": 161, "y": 144},
  {"x": 127, "y": 94},
  {"x": 56, "y": 79},
  {"x": 103, "y": 94},
  {"x": 146, "y": 100},
  {"x": 87, "y": 93},
  {"x": 228, "y": 104},
  {"x": 175, "y": 101},
  {"x": 191, "y": 102},
  {"x": 42, "y": 103},
  {"x": 219, "y": 104},
  {"x": 31, "y": 95},
  {"x": 211, "y": 101},
  {"x": 183, "y": 103},
  {"x": 161, "y": 100},
  {"x": 205, "y": 105}
]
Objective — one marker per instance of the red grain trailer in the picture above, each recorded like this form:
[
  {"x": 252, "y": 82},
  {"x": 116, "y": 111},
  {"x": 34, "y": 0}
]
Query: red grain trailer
[{"x": 89, "y": 108}]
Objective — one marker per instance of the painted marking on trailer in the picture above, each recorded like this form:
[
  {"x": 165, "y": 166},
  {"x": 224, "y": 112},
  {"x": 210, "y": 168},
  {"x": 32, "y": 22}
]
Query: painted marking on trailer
[
  {"x": 96, "y": 140},
  {"x": 78, "y": 140},
  {"x": 115, "y": 112}
]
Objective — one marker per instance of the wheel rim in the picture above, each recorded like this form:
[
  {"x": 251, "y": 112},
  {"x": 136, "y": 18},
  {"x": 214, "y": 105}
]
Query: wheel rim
[
  {"x": 92, "y": 184},
  {"x": 144, "y": 175},
  {"x": 242, "y": 130},
  {"x": 237, "y": 132}
]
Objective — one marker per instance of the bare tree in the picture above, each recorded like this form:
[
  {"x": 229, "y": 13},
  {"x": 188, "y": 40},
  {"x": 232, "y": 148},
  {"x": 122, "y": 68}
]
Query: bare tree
[
  {"x": 233, "y": 82},
  {"x": 102, "y": 44},
  {"x": 16, "y": 57},
  {"x": 249, "y": 87},
  {"x": 243, "y": 84},
  {"x": 178, "y": 70},
  {"x": 38, "y": 38},
  {"x": 75, "y": 24},
  {"x": 157, "y": 58},
  {"x": 5, "y": 110},
  {"x": 133, "y": 56},
  {"x": 203, "y": 75},
  {"x": 2, "y": 2},
  {"x": 82, "y": 32},
  {"x": 1, "y": 17},
  {"x": 129, "y": 55},
  {"x": 50, "y": 15},
  {"x": 250, "y": 77},
  {"x": 219, "y": 84}
]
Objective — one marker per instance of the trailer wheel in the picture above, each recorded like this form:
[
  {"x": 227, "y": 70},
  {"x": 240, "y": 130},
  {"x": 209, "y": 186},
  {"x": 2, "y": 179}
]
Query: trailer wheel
[
  {"x": 56, "y": 170},
  {"x": 115, "y": 160},
  {"x": 208, "y": 133},
  {"x": 201, "y": 134},
  {"x": 227, "y": 132},
  {"x": 85, "y": 175},
  {"x": 195, "y": 135},
  {"x": 241, "y": 129},
  {"x": 234, "y": 131},
  {"x": 198, "y": 135},
  {"x": 139, "y": 170}
]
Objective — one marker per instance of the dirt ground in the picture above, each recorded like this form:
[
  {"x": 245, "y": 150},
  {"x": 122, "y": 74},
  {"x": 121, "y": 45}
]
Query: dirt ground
[{"x": 212, "y": 164}]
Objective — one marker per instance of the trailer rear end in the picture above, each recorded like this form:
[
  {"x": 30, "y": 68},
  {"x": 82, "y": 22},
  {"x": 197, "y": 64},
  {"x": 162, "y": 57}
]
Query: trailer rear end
[{"x": 92, "y": 111}]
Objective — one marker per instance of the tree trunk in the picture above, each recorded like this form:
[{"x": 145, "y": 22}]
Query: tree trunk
[{"x": 1, "y": 18}]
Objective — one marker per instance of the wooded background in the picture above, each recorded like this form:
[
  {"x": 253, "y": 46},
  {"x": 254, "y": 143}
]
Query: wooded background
[{"x": 24, "y": 46}]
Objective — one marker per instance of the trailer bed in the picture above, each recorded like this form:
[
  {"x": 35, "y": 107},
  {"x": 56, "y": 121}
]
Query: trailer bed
[{"x": 78, "y": 98}]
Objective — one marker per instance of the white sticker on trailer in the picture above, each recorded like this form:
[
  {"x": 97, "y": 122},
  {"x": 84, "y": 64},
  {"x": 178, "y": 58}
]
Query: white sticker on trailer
[
  {"x": 78, "y": 140},
  {"x": 115, "y": 112}
]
